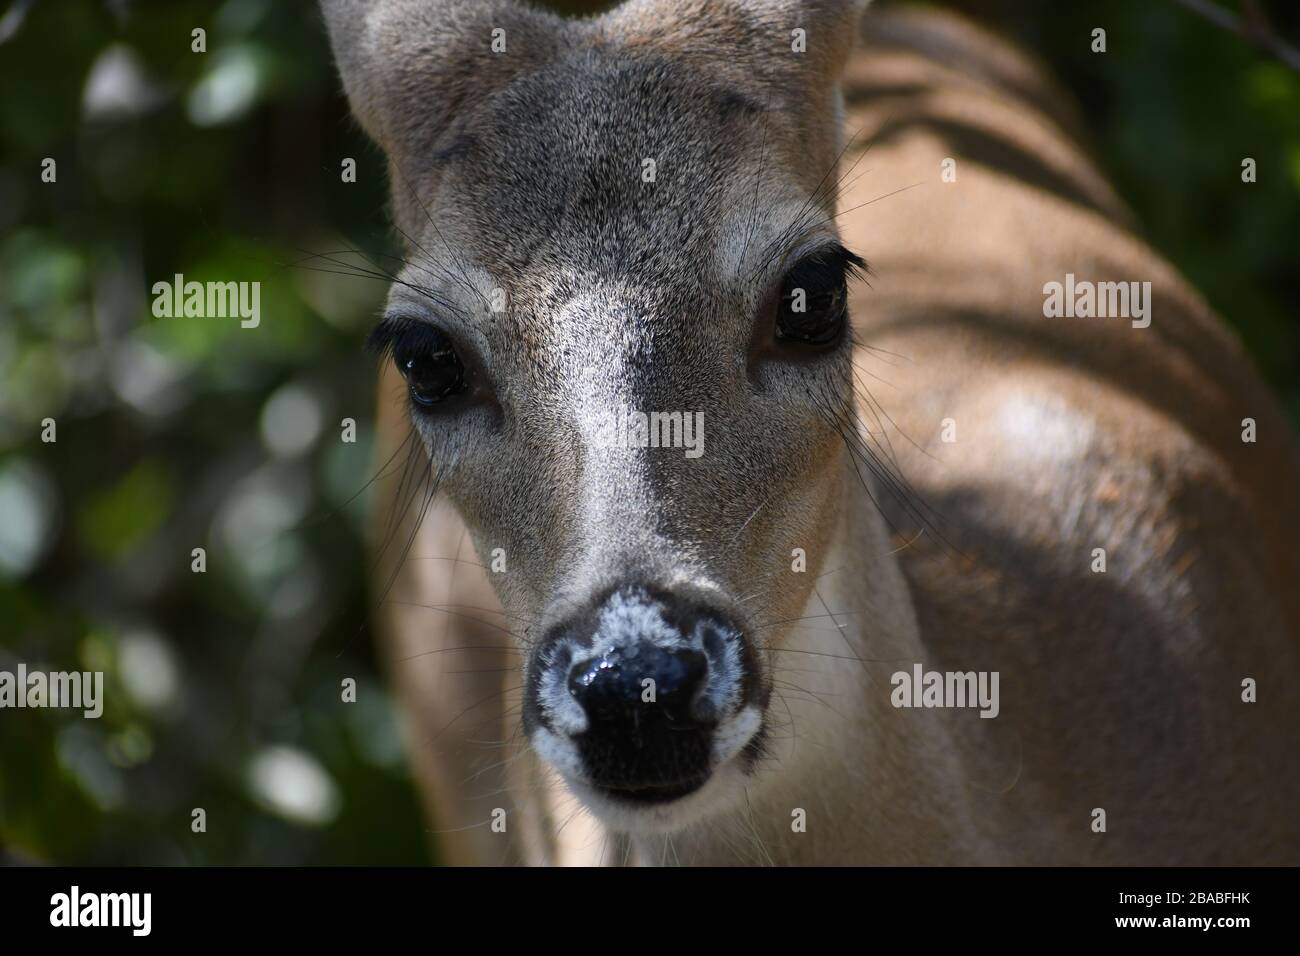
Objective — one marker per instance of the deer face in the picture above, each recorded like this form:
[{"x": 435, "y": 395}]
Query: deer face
[{"x": 622, "y": 327}]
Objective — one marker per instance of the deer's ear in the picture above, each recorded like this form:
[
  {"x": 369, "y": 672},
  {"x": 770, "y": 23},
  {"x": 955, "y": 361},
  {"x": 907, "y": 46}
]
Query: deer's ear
[
  {"x": 795, "y": 48},
  {"x": 410, "y": 66}
]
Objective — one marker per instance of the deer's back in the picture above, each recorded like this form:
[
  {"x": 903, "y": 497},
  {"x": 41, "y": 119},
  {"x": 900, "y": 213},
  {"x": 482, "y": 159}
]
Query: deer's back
[{"x": 1121, "y": 688}]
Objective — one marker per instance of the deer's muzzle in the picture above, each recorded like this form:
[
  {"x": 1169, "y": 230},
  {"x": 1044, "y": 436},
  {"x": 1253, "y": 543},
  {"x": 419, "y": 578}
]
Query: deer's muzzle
[{"x": 642, "y": 695}]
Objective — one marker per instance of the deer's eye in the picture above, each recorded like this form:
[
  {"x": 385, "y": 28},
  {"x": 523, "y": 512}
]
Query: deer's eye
[
  {"x": 426, "y": 358},
  {"x": 431, "y": 367},
  {"x": 813, "y": 308}
]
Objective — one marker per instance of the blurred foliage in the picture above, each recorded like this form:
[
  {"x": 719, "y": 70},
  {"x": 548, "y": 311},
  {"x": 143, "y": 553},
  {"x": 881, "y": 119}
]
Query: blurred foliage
[{"x": 223, "y": 688}]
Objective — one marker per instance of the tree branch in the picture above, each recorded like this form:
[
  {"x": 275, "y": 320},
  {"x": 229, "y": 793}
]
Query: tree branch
[{"x": 1254, "y": 28}]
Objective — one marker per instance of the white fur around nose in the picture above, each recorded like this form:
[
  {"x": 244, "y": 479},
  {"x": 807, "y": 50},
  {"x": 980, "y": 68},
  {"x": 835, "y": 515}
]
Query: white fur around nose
[
  {"x": 624, "y": 620},
  {"x": 734, "y": 733}
]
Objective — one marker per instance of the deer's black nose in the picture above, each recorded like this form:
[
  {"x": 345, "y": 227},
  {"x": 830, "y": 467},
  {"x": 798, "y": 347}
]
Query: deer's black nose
[
  {"x": 641, "y": 684},
  {"x": 633, "y": 694},
  {"x": 649, "y": 727}
]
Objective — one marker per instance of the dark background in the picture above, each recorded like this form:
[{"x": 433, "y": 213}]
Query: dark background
[{"x": 223, "y": 688}]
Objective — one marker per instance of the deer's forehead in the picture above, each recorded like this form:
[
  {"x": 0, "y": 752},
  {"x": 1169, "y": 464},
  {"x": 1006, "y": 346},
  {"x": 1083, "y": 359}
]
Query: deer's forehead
[
  {"x": 605, "y": 165},
  {"x": 610, "y": 201}
]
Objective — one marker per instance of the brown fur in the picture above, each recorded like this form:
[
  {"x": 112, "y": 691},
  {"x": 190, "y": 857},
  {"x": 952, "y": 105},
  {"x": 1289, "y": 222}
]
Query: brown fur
[{"x": 1120, "y": 690}]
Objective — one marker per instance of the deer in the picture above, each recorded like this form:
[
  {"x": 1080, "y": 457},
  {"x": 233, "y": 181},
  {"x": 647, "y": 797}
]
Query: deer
[{"x": 836, "y": 236}]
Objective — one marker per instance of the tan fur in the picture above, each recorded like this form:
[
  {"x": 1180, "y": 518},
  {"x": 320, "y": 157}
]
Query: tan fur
[{"x": 1119, "y": 691}]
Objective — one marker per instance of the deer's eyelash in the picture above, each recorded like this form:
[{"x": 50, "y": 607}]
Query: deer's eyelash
[
  {"x": 385, "y": 336},
  {"x": 854, "y": 266}
]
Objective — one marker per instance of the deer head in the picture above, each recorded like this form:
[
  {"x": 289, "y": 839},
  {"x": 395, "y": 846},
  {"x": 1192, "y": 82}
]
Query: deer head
[{"x": 622, "y": 324}]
